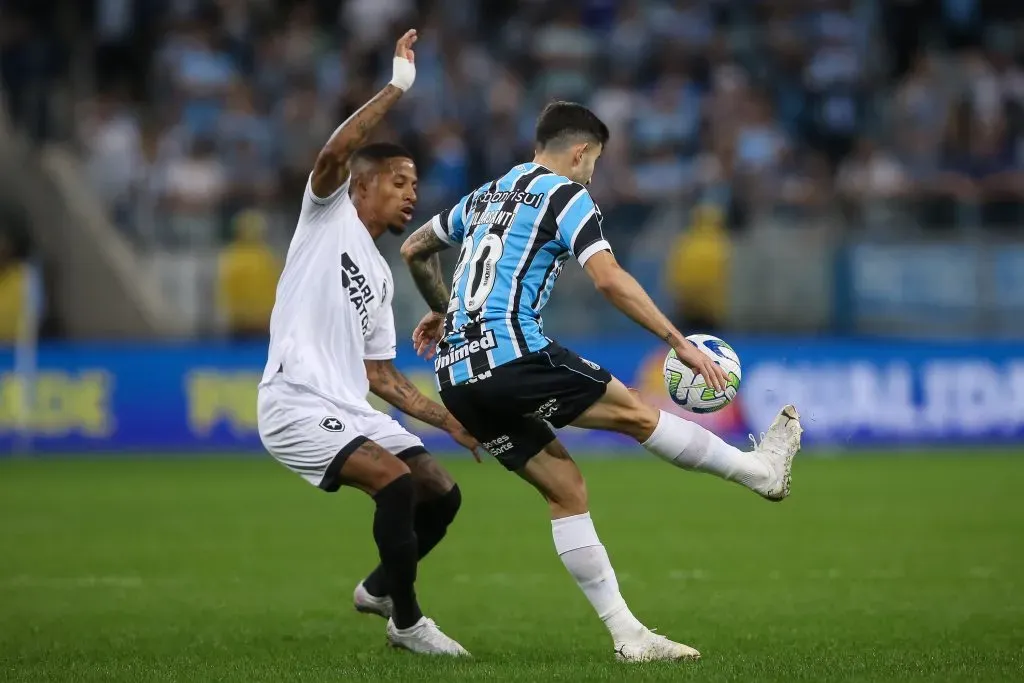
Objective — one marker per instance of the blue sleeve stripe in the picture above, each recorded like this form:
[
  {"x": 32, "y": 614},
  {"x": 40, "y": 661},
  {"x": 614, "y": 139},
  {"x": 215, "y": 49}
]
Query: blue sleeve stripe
[
  {"x": 584, "y": 224},
  {"x": 569, "y": 205},
  {"x": 575, "y": 216}
]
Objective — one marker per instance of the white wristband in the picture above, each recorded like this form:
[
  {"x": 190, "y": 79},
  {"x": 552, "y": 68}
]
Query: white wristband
[{"x": 403, "y": 73}]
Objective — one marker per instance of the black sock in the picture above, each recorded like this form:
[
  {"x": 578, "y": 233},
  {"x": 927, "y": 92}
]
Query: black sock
[
  {"x": 431, "y": 523},
  {"x": 396, "y": 543}
]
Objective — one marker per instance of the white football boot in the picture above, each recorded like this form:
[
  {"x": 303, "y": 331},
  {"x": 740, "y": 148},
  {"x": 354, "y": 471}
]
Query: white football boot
[
  {"x": 370, "y": 604},
  {"x": 424, "y": 637},
  {"x": 652, "y": 647},
  {"x": 776, "y": 449}
]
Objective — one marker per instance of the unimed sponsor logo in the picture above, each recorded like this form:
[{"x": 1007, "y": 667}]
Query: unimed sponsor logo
[{"x": 461, "y": 352}]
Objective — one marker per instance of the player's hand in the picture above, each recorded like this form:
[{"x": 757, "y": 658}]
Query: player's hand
[
  {"x": 403, "y": 48},
  {"x": 465, "y": 439},
  {"x": 714, "y": 375},
  {"x": 427, "y": 334},
  {"x": 403, "y": 65}
]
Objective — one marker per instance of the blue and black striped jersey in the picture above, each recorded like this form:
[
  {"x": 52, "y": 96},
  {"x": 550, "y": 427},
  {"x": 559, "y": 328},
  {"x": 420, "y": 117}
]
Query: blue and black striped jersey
[{"x": 516, "y": 233}]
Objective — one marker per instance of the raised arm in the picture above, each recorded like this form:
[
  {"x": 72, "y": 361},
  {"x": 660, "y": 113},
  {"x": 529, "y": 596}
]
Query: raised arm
[
  {"x": 331, "y": 169},
  {"x": 623, "y": 291}
]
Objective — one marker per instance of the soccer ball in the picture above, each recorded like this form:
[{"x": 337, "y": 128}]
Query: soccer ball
[{"x": 688, "y": 390}]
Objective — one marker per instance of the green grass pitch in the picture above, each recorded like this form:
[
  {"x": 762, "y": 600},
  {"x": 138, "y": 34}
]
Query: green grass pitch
[{"x": 900, "y": 568}]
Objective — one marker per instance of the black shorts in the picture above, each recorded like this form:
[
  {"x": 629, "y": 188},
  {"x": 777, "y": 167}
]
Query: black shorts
[{"x": 512, "y": 412}]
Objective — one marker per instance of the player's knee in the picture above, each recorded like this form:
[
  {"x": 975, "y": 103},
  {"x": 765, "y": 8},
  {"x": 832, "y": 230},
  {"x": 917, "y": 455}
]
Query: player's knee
[
  {"x": 645, "y": 420},
  {"x": 637, "y": 419},
  {"x": 432, "y": 480},
  {"x": 569, "y": 497},
  {"x": 401, "y": 486},
  {"x": 447, "y": 506},
  {"x": 389, "y": 472}
]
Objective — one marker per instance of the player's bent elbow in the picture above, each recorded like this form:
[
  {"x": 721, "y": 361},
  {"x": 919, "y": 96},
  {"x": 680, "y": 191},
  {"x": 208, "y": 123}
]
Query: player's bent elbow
[
  {"x": 603, "y": 279},
  {"x": 609, "y": 286},
  {"x": 568, "y": 497},
  {"x": 606, "y": 275},
  {"x": 605, "y": 288},
  {"x": 408, "y": 251},
  {"x": 419, "y": 246}
]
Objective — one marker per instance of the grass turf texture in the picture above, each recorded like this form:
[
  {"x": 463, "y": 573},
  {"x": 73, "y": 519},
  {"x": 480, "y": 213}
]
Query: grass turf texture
[{"x": 906, "y": 568}]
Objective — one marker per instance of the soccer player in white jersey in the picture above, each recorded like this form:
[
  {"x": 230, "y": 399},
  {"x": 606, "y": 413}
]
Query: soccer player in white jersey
[
  {"x": 509, "y": 384},
  {"x": 332, "y": 339}
]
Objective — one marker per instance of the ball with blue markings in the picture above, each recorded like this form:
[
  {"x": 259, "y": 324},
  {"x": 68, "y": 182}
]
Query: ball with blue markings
[{"x": 689, "y": 390}]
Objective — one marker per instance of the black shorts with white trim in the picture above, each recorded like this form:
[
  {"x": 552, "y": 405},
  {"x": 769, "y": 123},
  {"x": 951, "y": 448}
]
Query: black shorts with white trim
[{"x": 513, "y": 410}]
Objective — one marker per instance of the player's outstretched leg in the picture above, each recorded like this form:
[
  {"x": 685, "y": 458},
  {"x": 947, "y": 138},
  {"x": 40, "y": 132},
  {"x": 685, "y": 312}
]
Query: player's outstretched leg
[
  {"x": 438, "y": 500},
  {"x": 765, "y": 470},
  {"x": 555, "y": 475},
  {"x": 388, "y": 480}
]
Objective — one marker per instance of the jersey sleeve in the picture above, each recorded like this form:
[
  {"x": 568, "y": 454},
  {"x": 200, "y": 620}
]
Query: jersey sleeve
[
  {"x": 380, "y": 344},
  {"x": 450, "y": 224},
  {"x": 328, "y": 200},
  {"x": 579, "y": 224}
]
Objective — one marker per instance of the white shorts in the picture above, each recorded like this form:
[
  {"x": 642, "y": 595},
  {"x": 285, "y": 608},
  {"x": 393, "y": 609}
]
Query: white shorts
[{"x": 313, "y": 436}]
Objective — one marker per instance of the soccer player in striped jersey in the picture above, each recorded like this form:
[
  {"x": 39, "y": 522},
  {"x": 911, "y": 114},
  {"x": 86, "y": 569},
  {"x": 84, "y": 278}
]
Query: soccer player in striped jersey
[{"x": 510, "y": 385}]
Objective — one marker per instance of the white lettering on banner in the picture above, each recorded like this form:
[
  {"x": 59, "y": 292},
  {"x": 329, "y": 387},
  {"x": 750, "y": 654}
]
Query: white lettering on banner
[
  {"x": 886, "y": 396},
  {"x": 839, "y": 401},
  {"x": 1015, "y": 404},
  {"x": 973, "y": 397}
]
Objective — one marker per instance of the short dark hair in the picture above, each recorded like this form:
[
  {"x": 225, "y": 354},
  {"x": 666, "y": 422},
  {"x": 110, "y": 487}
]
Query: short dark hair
[
  {"x": 380, "y": 151},
  {"x": 562, "y": 122}
]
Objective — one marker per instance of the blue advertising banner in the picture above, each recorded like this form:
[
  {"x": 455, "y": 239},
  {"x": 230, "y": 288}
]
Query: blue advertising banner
[
  {"x": 952, "y": 289},
  {"x": 202, "y": 397}
]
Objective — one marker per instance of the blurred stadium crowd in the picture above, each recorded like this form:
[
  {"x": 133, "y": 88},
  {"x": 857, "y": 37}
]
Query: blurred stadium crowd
[{"x": 203, "y": 117}]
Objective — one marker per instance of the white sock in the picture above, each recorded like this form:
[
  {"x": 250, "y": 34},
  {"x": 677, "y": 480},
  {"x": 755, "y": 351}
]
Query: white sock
[
  {"x": 583, "y": 555},
  {"x": 688, "y": 445}
]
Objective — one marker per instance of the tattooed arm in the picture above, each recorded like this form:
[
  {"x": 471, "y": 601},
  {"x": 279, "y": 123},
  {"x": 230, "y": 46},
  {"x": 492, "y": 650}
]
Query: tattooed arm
[
  {"x": 420, "y": 253},
  {"x": 331, "y": 169},
  {"x": 391, "y": 385},
  {"x": 387, "y": 382}
]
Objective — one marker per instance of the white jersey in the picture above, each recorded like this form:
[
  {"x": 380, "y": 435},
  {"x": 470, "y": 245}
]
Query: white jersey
[{"x": 333, "y": 307}]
